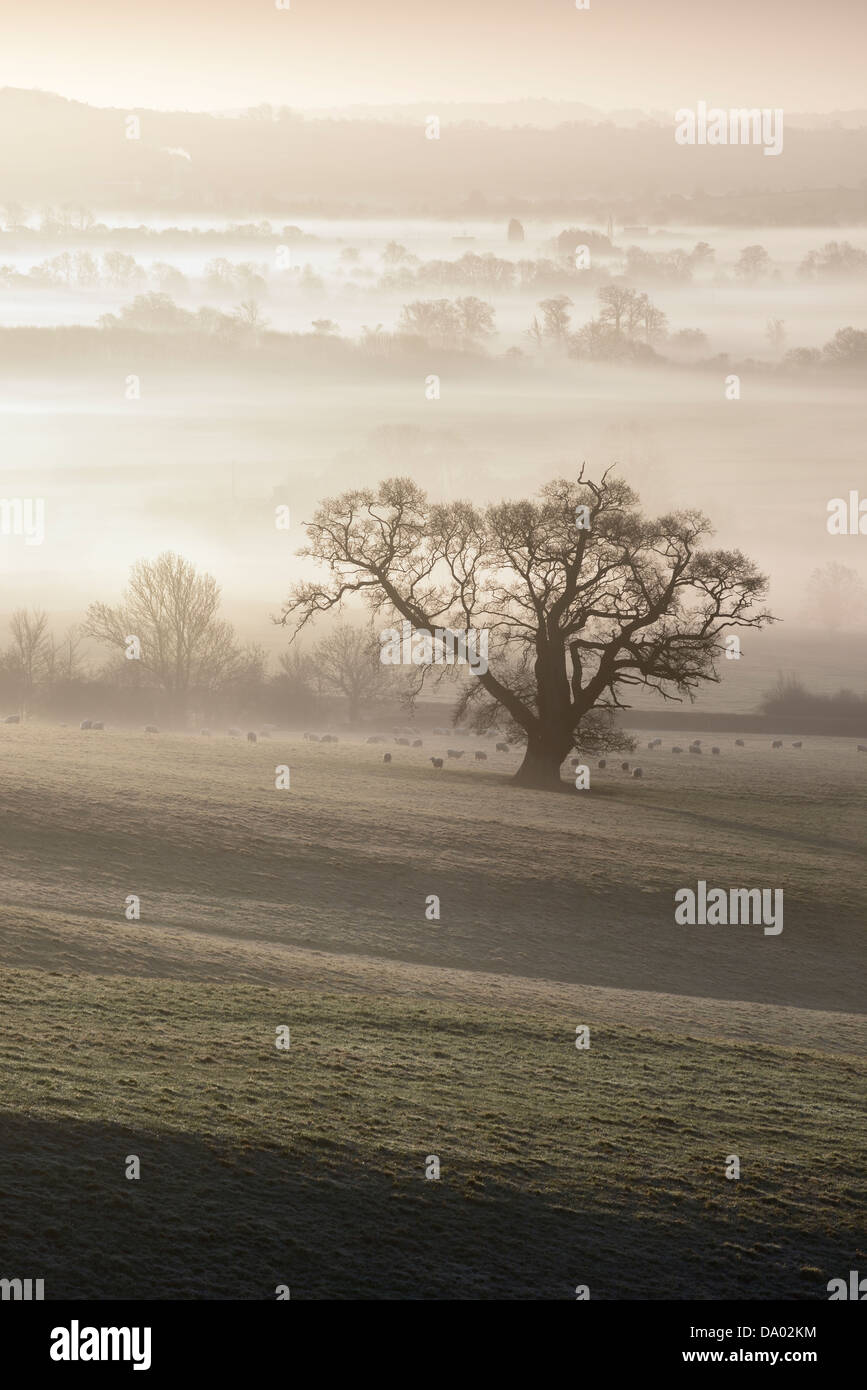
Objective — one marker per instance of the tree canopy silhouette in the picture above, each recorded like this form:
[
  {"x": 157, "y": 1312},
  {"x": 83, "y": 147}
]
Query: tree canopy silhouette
[{"x": 583, "y": 597}]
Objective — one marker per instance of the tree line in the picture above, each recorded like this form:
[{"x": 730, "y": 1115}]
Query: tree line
[{"x": 165, "y": 654}]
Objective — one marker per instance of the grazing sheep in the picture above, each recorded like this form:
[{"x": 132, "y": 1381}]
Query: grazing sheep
[
  {"x": 151, "y": 729},
  {"x": 437, "y": 762},
  {"x": 481, "y": 757},
  {"x": 603, "y": 762},
  {"x": 675, "y": 749},
  {"x": 404, "y": 742},
  {"x": 777, "y": 743},
  {"x": 97, "y": 724},
  {"x": 502, "y": 747},
  {"x": 636, "y": 772},
  {"x": 797, "y": 745},
  {"x": 739, "y": 743},
  {"x": 314, "y": 738},
  {"x": 205, "y": 733},
  {"x": 386, "y": 757},
  {"x": 417, "y": 743},
  {"x": 454, "y": 752},
  {"x": 715, "y": 751},
  {"x": 624, "y": 767},
  {"x": 86, "y": 724},
  {"x": 693, "y": 749},
  {"x": 374, "y": 738},
  {"x": 12, "y": 719},
  {"x": 251, "y": 737},
  {"x": 651, "y": 745},
  {"x": 862, "y": 748}
]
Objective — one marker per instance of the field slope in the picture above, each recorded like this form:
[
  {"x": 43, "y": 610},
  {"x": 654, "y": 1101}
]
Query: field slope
[{"x": 410, "y": 1037}]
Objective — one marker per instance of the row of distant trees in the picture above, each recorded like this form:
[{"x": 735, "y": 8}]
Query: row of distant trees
[
  {"x": 630, "y": 325},
  {"x": 167, "y": 654},
  {"x": 403, "y": 271},
  {"x": 115, "y": 270},
  {"x": 790, "y": 696},
  {"x": 71, "y": 219}
]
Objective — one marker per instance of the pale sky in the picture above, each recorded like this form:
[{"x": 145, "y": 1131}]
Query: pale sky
[{"x": 218, "y": 54}]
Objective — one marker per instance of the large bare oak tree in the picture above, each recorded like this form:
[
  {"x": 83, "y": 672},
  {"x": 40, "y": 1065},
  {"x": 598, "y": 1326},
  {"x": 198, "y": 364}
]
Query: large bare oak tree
[{"x": 583, "y": 597}]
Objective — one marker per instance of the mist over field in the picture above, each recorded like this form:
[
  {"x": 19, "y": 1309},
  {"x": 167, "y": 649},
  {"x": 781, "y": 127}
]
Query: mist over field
[{"x": 315, "y": 340}]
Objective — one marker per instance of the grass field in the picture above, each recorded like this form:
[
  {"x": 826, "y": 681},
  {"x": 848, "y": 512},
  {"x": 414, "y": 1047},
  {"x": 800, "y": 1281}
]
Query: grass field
[{"x": 410, "y": 1037}]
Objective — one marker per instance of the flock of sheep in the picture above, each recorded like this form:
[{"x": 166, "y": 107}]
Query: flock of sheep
[
  {"x": 402, "y": 738},
  {"x": 404, "y": 742},
  {"x": 252, "y": 736}
]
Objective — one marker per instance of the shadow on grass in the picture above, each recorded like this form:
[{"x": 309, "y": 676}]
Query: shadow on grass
[{"x": 205, "y": 1222}]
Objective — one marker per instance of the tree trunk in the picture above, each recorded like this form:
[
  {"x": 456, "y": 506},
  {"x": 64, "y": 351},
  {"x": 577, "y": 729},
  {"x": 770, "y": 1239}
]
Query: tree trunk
[
  {"x": 176, "y": 709},
  {"x": 541, "y": 766}
]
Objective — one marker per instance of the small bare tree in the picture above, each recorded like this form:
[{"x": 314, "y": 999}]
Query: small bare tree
[
  {"x": 63, "y": 659},
  {"x": 172, "y": 612},
  {"x": 347, "y": 661},
  {"x": 29, "y": 652}
]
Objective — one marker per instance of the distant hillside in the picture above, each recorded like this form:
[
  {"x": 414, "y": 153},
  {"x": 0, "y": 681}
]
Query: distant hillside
[{"x": 273, "y": 159}]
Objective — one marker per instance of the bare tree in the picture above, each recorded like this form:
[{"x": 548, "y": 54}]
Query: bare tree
[
  {"x": 653, "y": 321},
  {"x": 435, "y": 320},
  {"x": 619, "y": 308},
  {"x": 556, "y": 315},
  {"x": 172, "y": 612},
  {"x": 476, "y": 317},
  {"x": 836, "y": 598},
  {"x": 535, "y": 332},
  {"x": 576, "y": 614},
  {"x": 753, "y": 263},
  {"x": 347, "y": 662},
  {"x": 394, "y": 253},
  {"x": 248, "y": 316},
  {"x": 63, "y": 659},
  {"x": 29, "y": 652}
]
